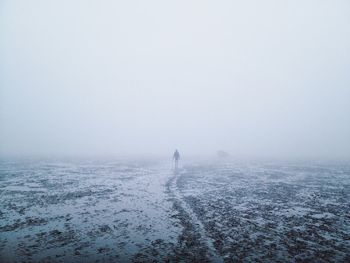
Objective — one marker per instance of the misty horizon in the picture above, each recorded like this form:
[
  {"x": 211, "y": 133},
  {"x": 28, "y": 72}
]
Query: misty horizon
[
  {"x": 174, "y": 131},
  {"x": 265, "y": 79}
]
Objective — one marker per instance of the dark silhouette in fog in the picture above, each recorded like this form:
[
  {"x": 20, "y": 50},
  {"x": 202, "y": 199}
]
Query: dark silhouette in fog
[
  {"x": 176, "y": 158},
  {"x": 223, "y": 154}
]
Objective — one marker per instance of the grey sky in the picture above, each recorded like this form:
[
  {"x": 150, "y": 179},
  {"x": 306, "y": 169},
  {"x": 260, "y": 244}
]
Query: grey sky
[{"x": 256, "y": 78}]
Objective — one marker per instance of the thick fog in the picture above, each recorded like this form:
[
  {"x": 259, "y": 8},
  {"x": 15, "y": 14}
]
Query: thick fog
[{"x": 253, "y": 78}]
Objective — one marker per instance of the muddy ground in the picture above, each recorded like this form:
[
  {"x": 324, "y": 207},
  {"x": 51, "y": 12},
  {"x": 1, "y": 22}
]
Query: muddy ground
[{"x": 106, "y": 210}]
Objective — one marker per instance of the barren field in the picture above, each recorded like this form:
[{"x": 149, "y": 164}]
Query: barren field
[{"x": 106, "y": 210}]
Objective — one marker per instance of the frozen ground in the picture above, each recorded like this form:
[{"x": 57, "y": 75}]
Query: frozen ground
[{"x": 140, "y": 211}]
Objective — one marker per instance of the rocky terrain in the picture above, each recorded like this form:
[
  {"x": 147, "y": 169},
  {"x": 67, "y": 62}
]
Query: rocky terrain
[{"x": 107, "y": 210}]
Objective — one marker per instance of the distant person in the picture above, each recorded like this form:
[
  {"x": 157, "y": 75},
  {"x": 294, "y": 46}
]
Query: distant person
[{"x": 176, "y": 158}]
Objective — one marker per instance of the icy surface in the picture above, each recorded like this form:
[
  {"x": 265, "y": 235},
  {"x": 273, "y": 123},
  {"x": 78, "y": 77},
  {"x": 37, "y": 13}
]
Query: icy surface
[
  {"x": 279, "y": 212},
  {"x": 140, "y": 211}
]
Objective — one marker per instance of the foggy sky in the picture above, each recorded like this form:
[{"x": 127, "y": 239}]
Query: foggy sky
[{"x": 254, "y": 78}]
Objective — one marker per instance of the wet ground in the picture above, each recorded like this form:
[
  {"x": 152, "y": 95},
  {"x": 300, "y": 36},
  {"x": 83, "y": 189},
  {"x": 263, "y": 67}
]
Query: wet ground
[{"x": 105, "y": 210}]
